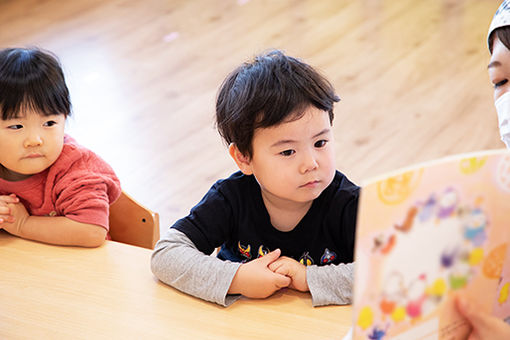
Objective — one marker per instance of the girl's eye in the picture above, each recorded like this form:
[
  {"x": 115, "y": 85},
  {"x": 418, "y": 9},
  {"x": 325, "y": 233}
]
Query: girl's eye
[
  {"x": 15, "y": 127},
  {"x": 321, "y": 143},
  {"x": 287, "y": 153},
  {"x": 50, "y": 123},
  {"x": 500, "y": 83}
]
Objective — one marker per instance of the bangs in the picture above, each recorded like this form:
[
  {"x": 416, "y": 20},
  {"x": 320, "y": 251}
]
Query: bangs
[
  {"x": 275, "y": 115},
  {"x": 16, "y": 105},
  {"x": 31, "y": 80},
  {"x": 503, "y": 33}
]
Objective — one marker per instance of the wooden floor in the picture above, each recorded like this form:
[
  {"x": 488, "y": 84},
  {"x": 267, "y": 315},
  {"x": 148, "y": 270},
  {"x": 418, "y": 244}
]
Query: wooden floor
[{"x": 143, "y": 77}]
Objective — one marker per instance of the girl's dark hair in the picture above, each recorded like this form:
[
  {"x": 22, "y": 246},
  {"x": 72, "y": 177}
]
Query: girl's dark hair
[
  {"x": 503, "y": 33},
  {"x": 32, "y": 79},
  {"x": 265, "y": 92}
]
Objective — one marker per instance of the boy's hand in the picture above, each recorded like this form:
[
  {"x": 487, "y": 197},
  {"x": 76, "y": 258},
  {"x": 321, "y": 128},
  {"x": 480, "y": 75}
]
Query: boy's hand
[
  {"x": 5, "y": 211},
  {"x": 255, "y": 280},
  {"x": 20, "y": 215},
  {"x": 293, "y": 269}
]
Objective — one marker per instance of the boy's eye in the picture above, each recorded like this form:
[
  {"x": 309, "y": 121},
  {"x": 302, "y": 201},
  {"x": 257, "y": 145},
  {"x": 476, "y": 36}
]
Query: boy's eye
[
  {"x": 50, "y": 123},
  {"x": 15, "y": 127},
  {"x": 500, "y": 83},
  {"x": 287, "y": 153},
  {"x": 320, "y": 143}
]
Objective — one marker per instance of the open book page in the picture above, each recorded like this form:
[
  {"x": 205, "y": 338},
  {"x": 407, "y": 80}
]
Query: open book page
[{"x": 425, "y": 234}]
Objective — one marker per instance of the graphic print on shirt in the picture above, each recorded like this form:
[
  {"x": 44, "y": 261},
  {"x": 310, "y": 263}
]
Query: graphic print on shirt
[
  {"x": 306, "y": 259},
  {"x": 245, "y": 251},
  {"x": 262, "y": 251},
  {"x": 328, "y": 256}
]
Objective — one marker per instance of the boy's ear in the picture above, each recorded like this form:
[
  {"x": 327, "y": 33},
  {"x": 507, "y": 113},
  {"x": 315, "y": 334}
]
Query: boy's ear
[{"x": 242, "y": 161}]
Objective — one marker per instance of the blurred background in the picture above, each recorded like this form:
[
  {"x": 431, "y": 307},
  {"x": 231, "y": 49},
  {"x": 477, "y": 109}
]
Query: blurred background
[{"x": 143, "y": 76}]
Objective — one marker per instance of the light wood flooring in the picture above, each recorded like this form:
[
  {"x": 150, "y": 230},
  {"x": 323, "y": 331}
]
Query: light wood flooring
[{"x": 143, "y": 77}]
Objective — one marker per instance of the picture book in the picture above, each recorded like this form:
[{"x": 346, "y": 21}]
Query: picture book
[{"x": 425, "y": 234}]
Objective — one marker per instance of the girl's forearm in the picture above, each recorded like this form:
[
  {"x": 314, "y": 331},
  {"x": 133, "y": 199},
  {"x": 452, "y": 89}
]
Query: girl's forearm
[{"x": 62, "y": 231}]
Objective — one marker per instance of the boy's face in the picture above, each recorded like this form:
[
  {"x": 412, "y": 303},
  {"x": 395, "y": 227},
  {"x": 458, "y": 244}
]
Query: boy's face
[
  {"x": 30, "y": 144},
  {"x": 294, "y": 161}
]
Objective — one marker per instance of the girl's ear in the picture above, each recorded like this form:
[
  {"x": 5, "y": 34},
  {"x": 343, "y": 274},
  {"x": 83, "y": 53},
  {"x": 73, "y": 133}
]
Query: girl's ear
[{"x": 242, "y": 161}]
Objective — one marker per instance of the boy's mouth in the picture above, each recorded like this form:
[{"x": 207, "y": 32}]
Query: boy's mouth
[{"x": 311, "y": 184}]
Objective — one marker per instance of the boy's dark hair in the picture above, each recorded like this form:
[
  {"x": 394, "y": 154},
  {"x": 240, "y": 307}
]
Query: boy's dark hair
[
  {"x": 503, "y": 34},
  {"x": 266, "y": 92},
  {"x": 32, "y": 79}
]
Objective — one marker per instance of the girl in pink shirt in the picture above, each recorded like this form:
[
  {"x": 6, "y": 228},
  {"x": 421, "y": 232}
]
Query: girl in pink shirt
[{"x": 51, "y": 189}]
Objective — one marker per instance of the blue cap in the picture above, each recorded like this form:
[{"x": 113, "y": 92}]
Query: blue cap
[{"x": 501, "y": 18}]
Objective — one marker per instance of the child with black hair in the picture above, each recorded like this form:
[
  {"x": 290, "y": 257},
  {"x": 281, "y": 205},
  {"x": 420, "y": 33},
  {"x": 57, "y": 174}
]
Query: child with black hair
[
  {"x": 287, "y": 219},
  {"x": 51, "y": 189}
]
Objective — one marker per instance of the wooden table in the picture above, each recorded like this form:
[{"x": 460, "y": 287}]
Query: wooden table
[{"x": 54, "y": 292}]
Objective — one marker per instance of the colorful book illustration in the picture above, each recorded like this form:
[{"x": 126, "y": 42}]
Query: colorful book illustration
[{"x": 425, "y": 234}]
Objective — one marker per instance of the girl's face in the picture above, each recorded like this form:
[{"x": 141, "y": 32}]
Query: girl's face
[
  {"x": 30, "y": 144},
  {"x": 499, "y": 68}
]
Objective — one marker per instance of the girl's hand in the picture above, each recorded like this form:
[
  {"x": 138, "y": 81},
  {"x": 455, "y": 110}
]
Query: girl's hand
[
  {"x": 5, "y": 211},
  {"x": 19, "y": 215}
]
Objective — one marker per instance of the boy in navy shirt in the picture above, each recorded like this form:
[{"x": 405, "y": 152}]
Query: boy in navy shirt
[{"x": 287, "y": 218}]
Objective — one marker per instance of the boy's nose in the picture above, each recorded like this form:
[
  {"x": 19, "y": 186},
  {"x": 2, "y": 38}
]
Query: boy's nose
[{"x": 309, "y": 163}]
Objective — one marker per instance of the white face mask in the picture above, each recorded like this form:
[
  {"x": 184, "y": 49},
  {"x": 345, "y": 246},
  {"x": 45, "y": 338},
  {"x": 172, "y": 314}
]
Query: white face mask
[{"x": 503, "y": 109}]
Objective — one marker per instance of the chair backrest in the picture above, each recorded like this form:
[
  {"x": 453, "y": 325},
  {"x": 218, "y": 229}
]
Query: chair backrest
[{"x": 132, "y": 223}]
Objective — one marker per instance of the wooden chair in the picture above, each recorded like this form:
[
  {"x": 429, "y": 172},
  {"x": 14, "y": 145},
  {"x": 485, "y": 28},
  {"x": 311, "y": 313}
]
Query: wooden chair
[{"x": 132, "y": 223}]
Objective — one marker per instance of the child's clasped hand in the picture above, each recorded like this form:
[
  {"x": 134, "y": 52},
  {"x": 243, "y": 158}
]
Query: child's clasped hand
[
  {"x": 293, "y": 269},
  {"x": 264, "y": 276},
  {"x": 15, "y": 214},
  {"x": 6, "y": 214}
]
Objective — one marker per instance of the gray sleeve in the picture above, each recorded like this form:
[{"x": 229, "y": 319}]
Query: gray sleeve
[
  {"x": 330, "y": 284},
  {"x": 177, "y": 262}
]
